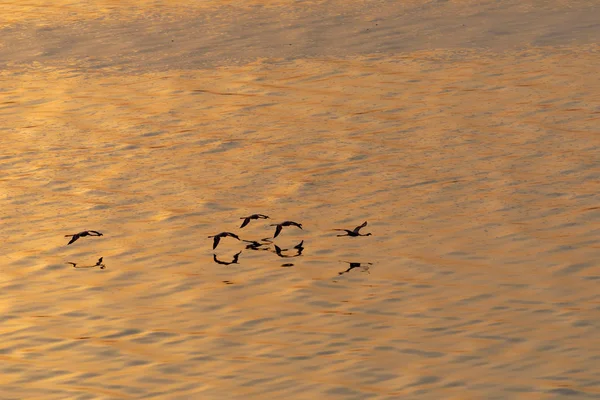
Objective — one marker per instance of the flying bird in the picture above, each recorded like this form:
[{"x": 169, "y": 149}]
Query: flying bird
[
  {"x": 82, "y": 234},
  {"x": 355, "y": 231},
  {"x": 285, "y": 223},
  {"x": 234, "y": 261},
  {"x": 217, "y": 238},
  {"x": 253, "y": 216}
]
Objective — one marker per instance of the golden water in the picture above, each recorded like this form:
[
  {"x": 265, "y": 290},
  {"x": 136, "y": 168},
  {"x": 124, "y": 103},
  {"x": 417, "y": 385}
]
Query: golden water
[{"x": 477, "y": 171}]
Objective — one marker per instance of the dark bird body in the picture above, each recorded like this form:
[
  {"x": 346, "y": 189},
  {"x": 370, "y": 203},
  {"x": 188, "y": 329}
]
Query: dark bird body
[
  {"x": 234, "y": 261},
  {"x": 284, "y": 223},
  {"x": 253, "y": 216},
  {"x": 82, "y": 234},
  {"x": 355, "y": 231},
  {"x": 217, "y": 238}
]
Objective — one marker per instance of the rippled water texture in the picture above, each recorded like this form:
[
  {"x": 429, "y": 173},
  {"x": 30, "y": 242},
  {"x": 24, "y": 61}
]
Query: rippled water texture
[{"x": 465, "y": 133}]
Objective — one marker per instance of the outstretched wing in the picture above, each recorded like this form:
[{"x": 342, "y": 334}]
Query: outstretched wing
[
  {"x": 277, "y": 231},
  {"x": 216, "y": 241},
  {"x": 246, "y": 221},
  {"x": 74, "y": 238},
  {"x": 278, "y": 251},
  {"x": 358, "y": 228},
  {"x": 97, "y": 233}
]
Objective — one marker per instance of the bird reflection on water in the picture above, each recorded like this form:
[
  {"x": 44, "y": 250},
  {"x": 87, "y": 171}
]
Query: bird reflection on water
[
  {"x": 365, "y": 267},
  {"x": 99, "y": 263},
  {"x": 254, "y": 245},
  {"x": 299, "y": 248},
  {"x": 234, "y": 261}
]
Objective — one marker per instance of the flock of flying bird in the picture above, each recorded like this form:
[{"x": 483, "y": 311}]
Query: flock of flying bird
[
  {"x": 264, "y": 243},
  {"x": 252, "y": 244}
]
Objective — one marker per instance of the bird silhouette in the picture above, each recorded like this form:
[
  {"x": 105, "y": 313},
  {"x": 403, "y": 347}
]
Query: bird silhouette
[
  {"x": 279, "y": 251},
  {"x": 284, "y": 223},
  {"x": 253, "y": 216},
  {"x": 234, "y": 261},
  {"x": 355, "y": 231},
  {"x": 254, "y": 245},
  {"x": 217, "y": 238},
  {"x": 99, "y": 263},
  {"x": 364, "y": 266},
  {"x": 82, "y": 234}
]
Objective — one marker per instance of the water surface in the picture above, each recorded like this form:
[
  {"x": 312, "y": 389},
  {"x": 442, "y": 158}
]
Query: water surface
[{"x": 472, "y": 151}]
